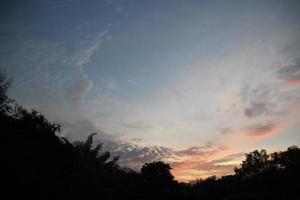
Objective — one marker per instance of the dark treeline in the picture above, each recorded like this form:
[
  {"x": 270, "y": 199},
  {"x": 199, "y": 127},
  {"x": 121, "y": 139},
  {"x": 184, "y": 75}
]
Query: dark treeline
[{"x": 40, "y": 164}]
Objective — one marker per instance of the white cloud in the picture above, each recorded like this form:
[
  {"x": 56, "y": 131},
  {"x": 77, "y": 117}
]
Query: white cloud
[{"x": 87, "y": 50}]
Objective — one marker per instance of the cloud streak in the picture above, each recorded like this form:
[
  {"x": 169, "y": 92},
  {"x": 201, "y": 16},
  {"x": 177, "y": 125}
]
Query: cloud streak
[
  {"x": 264, "y": 130},
  {"x": 206, "y": 163}
]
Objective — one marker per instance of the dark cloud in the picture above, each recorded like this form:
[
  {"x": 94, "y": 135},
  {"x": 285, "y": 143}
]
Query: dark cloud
[
  {"x": 262, "y": 129},
  {"x": 196, "y": 158},
  {"x": 136, "y": 126},
  {"x": 196, "y": 150},
  {"x": 226, "y": 130},
  {"x": 258, "y": 108},
  {"x": 190, "y": 151},
  {"x": 291, "y": 72},
  {"x": 259, "y": 100},
  {"x": 257, "y": 130}
]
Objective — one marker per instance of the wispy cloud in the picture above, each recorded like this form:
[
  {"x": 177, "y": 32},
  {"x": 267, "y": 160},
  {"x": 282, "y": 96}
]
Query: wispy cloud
[
  {"x": 264, "y": 130},
  {"x": 204, "y": 164},
  {"x": 136, "y": 126},
  {"x": 88, "y": 48}
]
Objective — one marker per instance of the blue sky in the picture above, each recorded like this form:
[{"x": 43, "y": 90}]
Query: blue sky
[{"x": 188, "y": 82}]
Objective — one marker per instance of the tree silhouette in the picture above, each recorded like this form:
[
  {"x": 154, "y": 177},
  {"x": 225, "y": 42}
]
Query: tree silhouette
[
  {"x": 4, "y": 99},
  {"x": 255, "y": 162},
  {"x": 94, "y": 156},
  {"x": 158, "y": 172},
  {"x": 158, "y": 181}
]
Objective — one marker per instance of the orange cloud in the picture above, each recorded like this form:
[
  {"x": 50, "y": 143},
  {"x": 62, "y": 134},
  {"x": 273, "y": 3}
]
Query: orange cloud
[
  {"x": 193, "y": 174},
  {"x": 212, "y": 162},
  {"x": 296, "y": 110},
  {"x": 193, "y": 161},
  {"x": 264, "y": 130},
  {"x": 295, "y": 82},
  {"x": 201, "y": 166}
]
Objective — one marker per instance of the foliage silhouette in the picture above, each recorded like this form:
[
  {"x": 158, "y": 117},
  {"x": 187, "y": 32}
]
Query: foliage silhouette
[
  {"x": 5, "y": 108},
  {"x": 158, "y": 172},
  {"x": 158, "y": 181},
  {"x": 254, "y": 163},
  {"x": 38, "y": 163}
]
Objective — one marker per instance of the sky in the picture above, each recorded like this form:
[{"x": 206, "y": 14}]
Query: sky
[{"x": 196, "y": 84}]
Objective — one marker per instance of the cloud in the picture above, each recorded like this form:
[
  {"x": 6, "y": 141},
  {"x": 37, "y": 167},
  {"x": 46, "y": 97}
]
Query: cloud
[
  {"x": 87, "y": 49},
  {"x": 208, "y": 167},
  {"x": 231, "y": 158},
  {"x": 76, "y": 93},
  {"x": 80, "y": 129},
  {"x": 290, "y": 73},
  {"x": 111, "y": 85},
  {"x": 131, "y": 154},
  {"x": 257, "y": 130},
  {"x": 199, "y": 158},
  {"x": 259, "y": 100},
  {"x": 49, "y": 68},
  {"x": 190, "y": 151},
  {"x": 138, "y": 126},
  {"x": 255, "y": 109},
  {"x": 295, "y": 110},
  {"x": 50, "y": 57},
  {"x": 134, "y": 156},
  {"x": 226, "y": 130},
  {"x": 187, "y": 164},
  {"x": 289, "y": 67},
  {"x": 264, "y": 130},
  {"x": 194, "y": 159},
  {"x": 204, "y": 164},
  {"x": 196, "y": 150}
]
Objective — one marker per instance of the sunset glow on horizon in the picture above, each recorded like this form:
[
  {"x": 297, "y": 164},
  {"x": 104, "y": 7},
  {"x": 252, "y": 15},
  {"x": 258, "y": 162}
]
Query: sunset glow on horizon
[{"x": 196, "y": 84}]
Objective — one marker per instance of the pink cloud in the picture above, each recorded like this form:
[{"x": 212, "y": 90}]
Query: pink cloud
[
  {"x": 295, "y": 110},
  {"x": 201, "y": 166},
  {"x": 264, "y": 130},
  {"x": 295, "y": 82}
]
